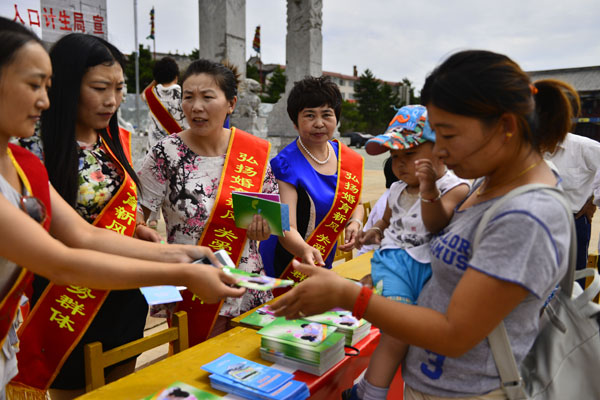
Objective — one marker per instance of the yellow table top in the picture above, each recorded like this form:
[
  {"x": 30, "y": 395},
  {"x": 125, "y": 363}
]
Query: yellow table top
[
  {"x": 355, "y": 268},
  {"x": 184, "y": 366}
]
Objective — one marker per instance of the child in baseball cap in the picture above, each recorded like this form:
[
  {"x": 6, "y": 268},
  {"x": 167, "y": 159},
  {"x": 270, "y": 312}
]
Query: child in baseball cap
[{"x": 401, "y": 266}]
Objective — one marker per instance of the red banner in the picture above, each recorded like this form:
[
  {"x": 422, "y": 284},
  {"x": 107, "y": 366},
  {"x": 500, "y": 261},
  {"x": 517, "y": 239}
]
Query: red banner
[
  {"x": 63, "y": 313},
  {"x": 158, "y": 109},
  {"x": 244, "y": 171}
]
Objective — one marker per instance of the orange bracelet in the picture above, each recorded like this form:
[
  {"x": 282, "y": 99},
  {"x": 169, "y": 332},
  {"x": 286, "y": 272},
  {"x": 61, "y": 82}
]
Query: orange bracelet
[{"x": 362, "y": 302}]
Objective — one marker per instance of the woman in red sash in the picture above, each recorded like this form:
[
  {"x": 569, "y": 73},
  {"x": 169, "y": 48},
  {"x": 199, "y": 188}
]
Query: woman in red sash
[
  {"x": 77, "y": 253},
  {"x": 319, "y": 178},
  {"x": 191, "y": 175},
  {"x": 88, "y": 163}
]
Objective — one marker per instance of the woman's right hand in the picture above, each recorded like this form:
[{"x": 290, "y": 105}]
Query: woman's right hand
[
  {"x": 320, "y": 292},
  {"x": 211, "y": 284},
  {"x": 312, "y": 256}
]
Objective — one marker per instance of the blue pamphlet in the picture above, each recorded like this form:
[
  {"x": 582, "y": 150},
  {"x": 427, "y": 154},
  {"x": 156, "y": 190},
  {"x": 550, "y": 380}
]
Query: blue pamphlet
[
  {"x": 161, "y": 294},
  {"x": 291, "y": 390},
  {"x": 248, "y": 373}
]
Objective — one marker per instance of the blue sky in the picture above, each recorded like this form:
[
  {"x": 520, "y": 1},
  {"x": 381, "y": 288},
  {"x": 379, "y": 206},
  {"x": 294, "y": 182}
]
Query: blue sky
[{"x": 395, "y": 39}]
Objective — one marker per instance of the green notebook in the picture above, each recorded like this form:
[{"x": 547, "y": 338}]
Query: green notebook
[
  {"x": 344, "y": 321},
  {"x": 246, "y": 205}
]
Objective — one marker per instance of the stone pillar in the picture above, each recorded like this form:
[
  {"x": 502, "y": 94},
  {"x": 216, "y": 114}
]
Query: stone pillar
[
  {"x": 304, "y": 56},
  {"x": 223, "y": 32}
]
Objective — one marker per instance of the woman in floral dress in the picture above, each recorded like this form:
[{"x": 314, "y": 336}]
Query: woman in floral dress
[
  {"x": 181, "y": 174},
  {"x": 77, "y": 134}
]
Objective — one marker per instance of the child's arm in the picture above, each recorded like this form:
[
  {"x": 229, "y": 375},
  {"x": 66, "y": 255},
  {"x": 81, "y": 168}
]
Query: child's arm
[
  {"x": 374, "y": 235},
  {"x": 436, "y": 210}
]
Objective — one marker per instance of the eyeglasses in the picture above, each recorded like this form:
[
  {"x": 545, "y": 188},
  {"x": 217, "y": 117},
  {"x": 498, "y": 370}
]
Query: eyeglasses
[{"x": 34, "y": 208}]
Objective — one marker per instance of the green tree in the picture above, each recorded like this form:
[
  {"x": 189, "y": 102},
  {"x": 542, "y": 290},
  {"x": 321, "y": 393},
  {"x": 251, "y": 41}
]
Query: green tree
[
  {"x": 146, "y": 66},
  {"x": 275, "y": 87},
  {"x": 252, "y": 72},
  {"x": 194, "y": 55},
  {"x": 366, "y": 93},
  {"x": 411, "y": 90},
  {"x": 376, "y": 102},
  {"x": 351, "y": 119}
]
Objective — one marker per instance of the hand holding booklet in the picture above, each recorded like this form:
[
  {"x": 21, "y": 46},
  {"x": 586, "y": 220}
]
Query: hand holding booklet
[
  {"x": 256, "y": 281},
  {"x": 247, "y": 204}
]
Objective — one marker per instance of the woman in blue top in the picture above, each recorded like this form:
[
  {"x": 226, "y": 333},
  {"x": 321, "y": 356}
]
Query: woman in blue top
[{"x": 307, "y": 174}]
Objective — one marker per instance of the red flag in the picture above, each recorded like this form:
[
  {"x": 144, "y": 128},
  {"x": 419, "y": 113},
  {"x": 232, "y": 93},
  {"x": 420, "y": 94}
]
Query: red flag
[{"x": 256, "y": 41}]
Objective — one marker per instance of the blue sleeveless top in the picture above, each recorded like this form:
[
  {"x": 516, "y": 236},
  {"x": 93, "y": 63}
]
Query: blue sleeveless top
[{"x": 316, "y": 193}]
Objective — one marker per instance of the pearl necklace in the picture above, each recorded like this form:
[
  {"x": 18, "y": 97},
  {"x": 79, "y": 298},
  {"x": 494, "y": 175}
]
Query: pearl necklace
[{"x": 315, "y": 159}]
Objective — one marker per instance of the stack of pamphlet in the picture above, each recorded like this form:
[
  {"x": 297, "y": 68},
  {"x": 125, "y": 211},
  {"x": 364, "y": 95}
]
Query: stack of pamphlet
[
  {"x": 344, "y": 321},
  {"x": 308, "y": 346},
  {"x": 250, "y": 380}
]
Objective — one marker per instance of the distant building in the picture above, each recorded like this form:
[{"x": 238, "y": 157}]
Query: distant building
[
  {"x": 344, "y": 82},
  {"x": 586, "y": 80}
]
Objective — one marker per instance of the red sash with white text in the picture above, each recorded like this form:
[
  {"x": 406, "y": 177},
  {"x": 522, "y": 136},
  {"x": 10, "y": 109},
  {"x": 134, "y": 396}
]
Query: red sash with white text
[
  {"x": 158, "y": 109},
  {"x": 244, "y": 171},
  {"x": 346, "y": 199},
  {"x": 34, "y": 177},
  {"x": 63, "y": 313}
]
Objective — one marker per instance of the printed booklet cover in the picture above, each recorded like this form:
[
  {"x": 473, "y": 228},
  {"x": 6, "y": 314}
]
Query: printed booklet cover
[
  {"x": 183, "y": 391},
  {"x": 353, "y": 329},
  {"x": 256, "y": 281},
  {"x": 246, "y": 204},
  {"x": 259, "y": 318},
  {"x": 303, "y": 340},
  {"x": 248, "y": 373}
]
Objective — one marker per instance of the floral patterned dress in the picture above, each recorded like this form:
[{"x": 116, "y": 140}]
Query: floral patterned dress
[{"x": 185, "y": 186}]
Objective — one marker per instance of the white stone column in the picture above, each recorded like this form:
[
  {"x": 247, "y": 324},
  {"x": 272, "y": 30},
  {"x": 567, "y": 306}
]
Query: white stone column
[
  {"x": 304, "y": 56},
  {"x": 223, "y": 32}
]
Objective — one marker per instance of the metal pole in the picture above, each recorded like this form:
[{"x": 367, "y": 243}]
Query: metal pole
[{"x": 137, "y": 67}]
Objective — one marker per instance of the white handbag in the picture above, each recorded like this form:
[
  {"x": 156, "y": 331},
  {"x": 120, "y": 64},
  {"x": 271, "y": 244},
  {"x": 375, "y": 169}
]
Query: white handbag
[{"x": 564, "y": 362}]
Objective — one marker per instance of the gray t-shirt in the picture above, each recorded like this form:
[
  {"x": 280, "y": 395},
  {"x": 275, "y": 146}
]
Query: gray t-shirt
[{"x": 526, "y": 242}]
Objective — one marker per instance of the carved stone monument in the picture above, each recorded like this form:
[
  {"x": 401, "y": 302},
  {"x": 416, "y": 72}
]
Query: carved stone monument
[
  {"x": 223, "y": 32},
  {"x": 247, "y": 115},
  {"x": 304, "y": 56}
]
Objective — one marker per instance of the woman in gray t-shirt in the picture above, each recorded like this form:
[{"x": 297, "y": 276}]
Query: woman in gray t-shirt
[{"x": 491, "y": 125}]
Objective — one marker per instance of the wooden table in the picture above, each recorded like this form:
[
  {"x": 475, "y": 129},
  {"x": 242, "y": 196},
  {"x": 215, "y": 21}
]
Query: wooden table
[{"x": 244, "y": 342}]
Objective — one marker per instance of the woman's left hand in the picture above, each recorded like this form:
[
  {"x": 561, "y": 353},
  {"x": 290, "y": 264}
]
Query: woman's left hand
[
  {"x": 143, "y": 232},
  {"x": 320, "y": 292},
  {"x": 350, "y": 234},
  {"x": 259, "y": 228}
]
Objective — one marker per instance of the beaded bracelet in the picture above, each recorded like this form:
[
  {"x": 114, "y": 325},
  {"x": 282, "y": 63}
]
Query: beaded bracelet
[
  {"x": 362, "y": 302},
  {"x": 439, "y": 196}
]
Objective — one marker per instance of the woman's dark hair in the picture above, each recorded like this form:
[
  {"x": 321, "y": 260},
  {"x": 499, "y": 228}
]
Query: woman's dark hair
[
  {"x": 314, "y": 92},
  {"x": 13, "y": 36},
  {"x": 225, "y": 75},
  {"x": 165, "y": 70},
  {"x": 72, "y": 56},
  {"x": 484, "y": 85},
  {"x": 388, "y": 171}
]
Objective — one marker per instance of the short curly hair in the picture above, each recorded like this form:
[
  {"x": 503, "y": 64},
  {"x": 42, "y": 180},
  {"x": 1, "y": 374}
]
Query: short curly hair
[{"x": 314, "y": 92}]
